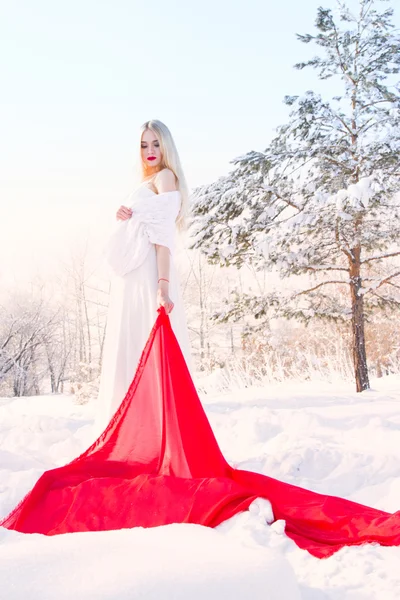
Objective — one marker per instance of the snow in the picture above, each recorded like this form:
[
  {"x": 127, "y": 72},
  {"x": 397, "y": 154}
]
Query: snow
[
  {"x": 317, "y": 435},
  {"x": 178, "y": 561},
  {"x": 355, "y": 195}
]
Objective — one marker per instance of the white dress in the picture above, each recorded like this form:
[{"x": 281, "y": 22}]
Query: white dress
[{"x": 133, "y": 307}]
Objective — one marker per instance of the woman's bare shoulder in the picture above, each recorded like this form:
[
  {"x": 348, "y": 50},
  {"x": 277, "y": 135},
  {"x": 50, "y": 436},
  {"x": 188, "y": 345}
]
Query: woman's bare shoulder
[{"x": 165, "y": 181}]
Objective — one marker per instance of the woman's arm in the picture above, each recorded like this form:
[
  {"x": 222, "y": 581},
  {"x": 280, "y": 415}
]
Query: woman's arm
[
  {"x": 163, "y": 262},
  {"x": 164, "y": 182}
]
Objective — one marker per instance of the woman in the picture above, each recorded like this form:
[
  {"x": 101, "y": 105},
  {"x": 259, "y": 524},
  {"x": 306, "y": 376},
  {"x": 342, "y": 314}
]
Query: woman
[{"x": 144, "y": 274}]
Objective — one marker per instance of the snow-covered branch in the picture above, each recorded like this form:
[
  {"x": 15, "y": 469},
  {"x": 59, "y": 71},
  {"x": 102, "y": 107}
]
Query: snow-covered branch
[
  {"x": 316, "y": 287},
  {"x": 379, "y": 282},
  {"x": 380, "y": 257}
]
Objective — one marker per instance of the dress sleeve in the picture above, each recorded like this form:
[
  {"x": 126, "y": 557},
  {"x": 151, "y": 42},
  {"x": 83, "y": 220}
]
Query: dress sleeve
[
  {"x": 152, "y": 222},
  {"x": 159, "y": 218}
]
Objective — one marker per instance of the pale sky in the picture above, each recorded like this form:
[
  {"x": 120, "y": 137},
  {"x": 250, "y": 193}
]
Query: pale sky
[{"x": 78, "y": 78}]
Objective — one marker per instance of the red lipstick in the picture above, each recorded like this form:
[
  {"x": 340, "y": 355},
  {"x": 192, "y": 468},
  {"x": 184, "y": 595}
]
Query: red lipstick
[{"x": 151, "y": 158}]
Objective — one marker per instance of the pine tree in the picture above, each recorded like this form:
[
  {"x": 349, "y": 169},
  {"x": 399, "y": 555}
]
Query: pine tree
[{"x": 320, "y": 205}]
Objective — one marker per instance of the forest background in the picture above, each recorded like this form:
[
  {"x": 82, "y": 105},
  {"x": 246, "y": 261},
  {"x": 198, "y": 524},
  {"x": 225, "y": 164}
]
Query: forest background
[{"x": 290, "y": 269}]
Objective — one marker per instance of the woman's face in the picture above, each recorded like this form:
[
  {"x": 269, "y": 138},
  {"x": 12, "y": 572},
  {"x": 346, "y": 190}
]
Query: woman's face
[{"x": 151, "y": 151}]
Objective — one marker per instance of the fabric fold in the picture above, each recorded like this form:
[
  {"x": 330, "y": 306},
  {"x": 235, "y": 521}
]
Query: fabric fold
[{"x": 152, "y": 222}]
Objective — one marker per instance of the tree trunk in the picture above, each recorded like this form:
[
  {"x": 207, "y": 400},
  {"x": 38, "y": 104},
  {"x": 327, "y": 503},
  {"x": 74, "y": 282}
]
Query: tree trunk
[
  {"x": 50, "y": 368},
  {"x": 33, "y": 369},
  {"x": 379, "y": 372},
  {"x": 202, "y": 315},
  {"x": 357, "y": 324},
  {"x": 87, "y": 322}
]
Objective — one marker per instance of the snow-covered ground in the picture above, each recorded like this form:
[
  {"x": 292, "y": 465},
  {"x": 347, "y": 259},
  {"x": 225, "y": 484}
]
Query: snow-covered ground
[{"x": 316, "y": 435}]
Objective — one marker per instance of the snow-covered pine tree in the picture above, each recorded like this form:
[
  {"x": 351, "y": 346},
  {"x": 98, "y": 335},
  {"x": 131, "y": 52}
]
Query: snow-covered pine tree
[{"x": 321, "y": 202}]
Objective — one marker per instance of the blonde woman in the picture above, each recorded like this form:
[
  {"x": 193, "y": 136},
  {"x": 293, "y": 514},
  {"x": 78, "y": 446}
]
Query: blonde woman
[{"x": 141, "y": 253}]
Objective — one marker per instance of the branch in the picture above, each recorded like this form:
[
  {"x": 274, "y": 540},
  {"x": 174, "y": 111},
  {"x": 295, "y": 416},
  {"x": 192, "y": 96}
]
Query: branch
[
  {"x": 388, "y": 300},
  {"x": 344, "y": 122},
  {"x": 368, "y": 260},
  {"x": 343, "y": 164},
  {"x": 322, "y": 268},
  {"x": 341, "y": 62},
  {"x": 287, "y": 202},
  {"x": 386, "y": 280},
  {"x": 374, "y": 103},
  {"x": 374, "y": 124},
  {"x": 318, "y": 286},
  {"x": 342, "y": 248}
]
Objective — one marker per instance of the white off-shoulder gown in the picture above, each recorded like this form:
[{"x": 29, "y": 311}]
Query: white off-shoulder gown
[{"x": 133, "y": 307}]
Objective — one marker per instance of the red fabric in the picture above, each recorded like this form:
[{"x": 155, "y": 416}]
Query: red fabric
[{"x": 158, "y": 462}]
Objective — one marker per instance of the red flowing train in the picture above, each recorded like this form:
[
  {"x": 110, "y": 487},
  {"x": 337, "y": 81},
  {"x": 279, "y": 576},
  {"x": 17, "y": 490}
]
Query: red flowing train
[{"x": 158, "y": 462}]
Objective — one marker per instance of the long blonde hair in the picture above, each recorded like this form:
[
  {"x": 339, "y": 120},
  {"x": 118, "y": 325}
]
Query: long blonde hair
[{"x": 171, "y": 161}]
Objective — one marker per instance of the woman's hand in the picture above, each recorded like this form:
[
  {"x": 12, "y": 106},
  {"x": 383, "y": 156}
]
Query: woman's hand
[
  {"x": 164, "y": 300},
  {"x": 124, "y": 213}
]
